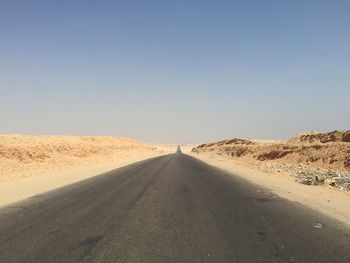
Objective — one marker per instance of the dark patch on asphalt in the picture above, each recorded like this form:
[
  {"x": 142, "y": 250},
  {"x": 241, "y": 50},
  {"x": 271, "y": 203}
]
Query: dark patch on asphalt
[{"x": 90, "y": 241}]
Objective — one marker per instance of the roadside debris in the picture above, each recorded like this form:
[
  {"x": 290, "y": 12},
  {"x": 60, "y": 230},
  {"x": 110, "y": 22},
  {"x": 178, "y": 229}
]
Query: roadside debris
[
  {"x": 311, "y": 158},
  {"x": 318, "y": 225},
  {"x": 309, "y": 176}
]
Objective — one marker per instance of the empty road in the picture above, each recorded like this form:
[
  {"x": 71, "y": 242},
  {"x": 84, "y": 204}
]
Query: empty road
[{"x": 172, "y": 208}]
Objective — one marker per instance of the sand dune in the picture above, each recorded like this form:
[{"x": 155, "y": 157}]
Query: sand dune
[
  {"x": 34, "y": 164},
  {"x": 24, "y": 156}
]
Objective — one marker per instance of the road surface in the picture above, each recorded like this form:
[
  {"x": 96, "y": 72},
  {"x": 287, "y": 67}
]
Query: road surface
[{"x": 172, "y": 208}]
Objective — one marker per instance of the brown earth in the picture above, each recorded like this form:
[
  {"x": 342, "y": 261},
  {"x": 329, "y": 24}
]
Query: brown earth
[
  {"x": 310, "y": 156},
  {"x": 24, "y": 156},
  {"x": 314, "y": 137}
]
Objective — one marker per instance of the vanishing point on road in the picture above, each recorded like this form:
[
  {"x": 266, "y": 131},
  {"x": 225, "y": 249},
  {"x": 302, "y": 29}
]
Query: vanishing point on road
[{"x": 172, "y": 208}]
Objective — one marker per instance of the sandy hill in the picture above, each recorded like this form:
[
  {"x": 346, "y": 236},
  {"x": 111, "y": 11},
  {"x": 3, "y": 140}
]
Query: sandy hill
[
  {"x": 315, "y": 137},
  {"x": 312, "y": 156},
  {"x": 26, "y": 156}
]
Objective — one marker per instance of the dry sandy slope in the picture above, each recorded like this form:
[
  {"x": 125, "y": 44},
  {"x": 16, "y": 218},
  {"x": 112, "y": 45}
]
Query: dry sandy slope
[
  {"x": 33, "y": 164},
  {"x": 312, "y": 158}
]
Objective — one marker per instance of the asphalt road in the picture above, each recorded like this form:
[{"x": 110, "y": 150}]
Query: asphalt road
[{"x": 172, "y": 208}]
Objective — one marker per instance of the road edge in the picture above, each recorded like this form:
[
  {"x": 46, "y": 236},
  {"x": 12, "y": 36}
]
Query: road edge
[{"x": 330, "y": 202}]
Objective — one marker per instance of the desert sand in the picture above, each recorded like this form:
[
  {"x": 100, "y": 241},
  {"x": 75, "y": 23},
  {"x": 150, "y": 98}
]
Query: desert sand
[
  {"x": 31, "y": 165},
  {"x": 311, "y": 158},
  {"x": 34, "y": 164},
  {"x": 171, "y": 147}
]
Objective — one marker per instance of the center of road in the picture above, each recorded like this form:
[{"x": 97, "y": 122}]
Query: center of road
[{"x": 172, "y": 208}]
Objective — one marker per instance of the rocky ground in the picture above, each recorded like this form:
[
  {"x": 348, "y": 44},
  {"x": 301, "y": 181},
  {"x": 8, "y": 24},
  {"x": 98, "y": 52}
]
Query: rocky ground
[{"x": 311, "y": 158}]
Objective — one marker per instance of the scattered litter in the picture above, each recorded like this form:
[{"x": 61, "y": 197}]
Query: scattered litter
[
  {"x": 318, "y": 225},
  {"x": 311, "y": 158}
]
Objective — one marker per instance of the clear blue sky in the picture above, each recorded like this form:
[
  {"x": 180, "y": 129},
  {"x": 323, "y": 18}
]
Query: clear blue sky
[{"x": 174, "y": 71}]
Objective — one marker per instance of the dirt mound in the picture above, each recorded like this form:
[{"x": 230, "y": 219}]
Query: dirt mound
[
  {"x": 314, "y": 137},
  {"x": 25, "y": 156},
  {"x": 329, "y": 151},
  {"x": 227, "y": 142},
  {"x": 31, "y": 148},
  {"x": 273, "y": 154}
]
